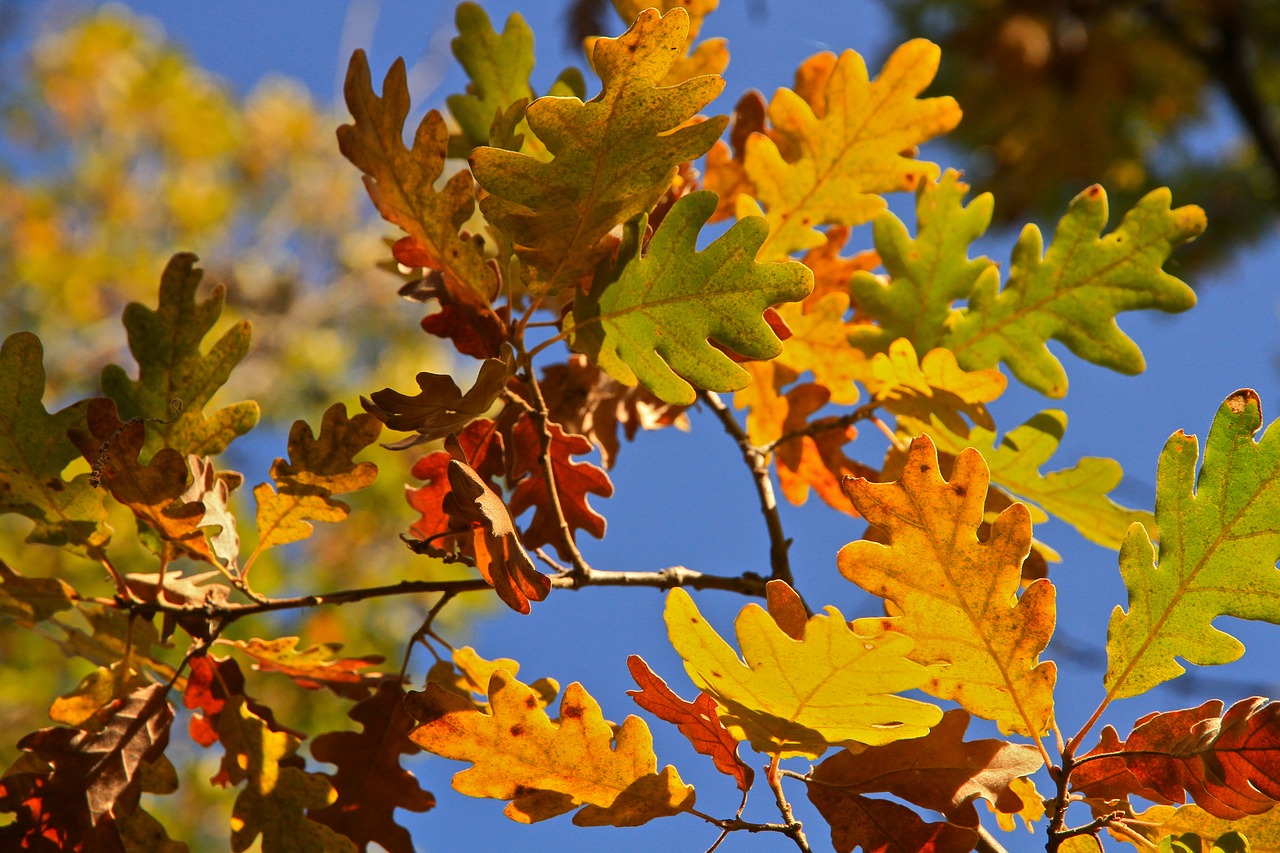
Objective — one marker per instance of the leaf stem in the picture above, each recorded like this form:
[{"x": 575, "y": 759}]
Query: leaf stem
[
  {"x": 794, "y": 828},
  {"x": 862, "y": 413}
]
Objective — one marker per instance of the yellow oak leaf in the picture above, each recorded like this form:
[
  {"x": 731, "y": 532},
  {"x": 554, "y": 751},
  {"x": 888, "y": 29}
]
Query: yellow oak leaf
[
  {"x": 765, "y": 405},
  {"x": 710, "y": 57},
  {"x": 933, "y": 386},
  {"x": 833, "y": 687},
  {"x": 548, "y": 767},
  {"x": 846, "y": 145},
  {"x": 955, "y": 595}
]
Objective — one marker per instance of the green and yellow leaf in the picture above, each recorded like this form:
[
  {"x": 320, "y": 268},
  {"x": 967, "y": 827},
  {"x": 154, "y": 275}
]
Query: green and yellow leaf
[
  {"x": 1219, "y": 543},
  {"x": 613, "y": 156}
]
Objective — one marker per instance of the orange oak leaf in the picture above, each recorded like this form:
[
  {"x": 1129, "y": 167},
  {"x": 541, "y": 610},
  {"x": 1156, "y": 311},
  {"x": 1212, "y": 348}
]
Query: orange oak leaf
[
  {"x": 440, "y": 407},
  {"x": 313, "y": 667},
  {"x": 816, "y": 460},
  {"x": 940, "y": 771},
  {"x": 76, "y": 783},
  {"x": 547, "y": 767},
  {"x": 956, "y": 595},
  {"x": 370, "y": 782},
  {"x": 481, "y": 443},
  {"x": 401, "y": 181},
  {"x": 475, "y": 331},
  {"x": 725, "y": 175},
  {"x": 499, "y": 555},
  {"x": 152, "y": 491},
  {"x": 831, "y": 272},
  {"x": 211, "y": 685},
  {"x": 574, "y": 481},
  {"x": 696, "y": 720},
  {"x": 1229, "y": 763}
]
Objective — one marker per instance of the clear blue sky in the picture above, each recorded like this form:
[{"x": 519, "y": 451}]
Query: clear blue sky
[{"x": 686, "y": 499}]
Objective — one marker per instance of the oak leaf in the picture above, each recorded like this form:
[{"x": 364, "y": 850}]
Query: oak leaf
[
  {"x": 834, "y": 687},
  {"x": 935, "y": 387},
  {"x": 1228, "y": 763},
  {"x": 844, "y": 146},
  {"x": 710, "y": 57},
  {"x": 545, "y": 767},
  {"x": 725, "y": 175},
  {"x": 654, "y": 320},
  {"x": 926, "y": 274},
  {"x": 612, "y": 157},
  {"x": 468, "y": 675},
  {"x": 277, "y": 793},
  {"x": 819, "y": 343},
  {"x": 87, "y": 778},
  {"x": 955, "y": 595},
  {"x": 31, "y": 600},
  {"x": 440, "y": 407},
  {"x": 1219, "y": 544},
  {"x": 481, "y": 443},
  {"x": 166, "y": 343},
  {"x": 1157, "y": 822},
  {"x": 313, "y": 667},
  {"x": 401, "y": 181},
  {"x": 152, "y": 491},
  {"x": 696, "y": 720},
  {"x": 1073, "y": 292},
  {"x": 34, "y": 450},
  {"x": 585, "y": 400},
  {"x": 212, "y": 489},
  {"x": 1077, "y": 495},
  {"x": 117, "y": 637},
  {"x": 370, "y": 783},
  {"x": 574, "y": 481},
  {"x": 499, "y": 555},
  {"x": 816, "y": 460},
  {"x": 940, "y": 771},
  {"x": 317, "y": 469}
]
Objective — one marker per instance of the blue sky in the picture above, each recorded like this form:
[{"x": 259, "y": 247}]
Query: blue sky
[{"x": 686, "y": 499}]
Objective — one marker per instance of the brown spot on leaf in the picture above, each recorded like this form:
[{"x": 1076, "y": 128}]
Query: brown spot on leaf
[
  {"x": 1238, "y": 401},
  {"x": 960, "y": 491},
  {"x": 517, "y": 730},
  {"x": 55, "y": 484},
  {"x": 571, "y": 712},
  {"x": 531, "y": 703}
]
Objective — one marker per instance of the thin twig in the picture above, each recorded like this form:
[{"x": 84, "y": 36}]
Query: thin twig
[
  {"x": 862, "y": 413},
  {"x": 424, "y": 631},
  {"x": 795, "y": 830},
  {"x": 757, "y": 461},
  {"x": 542, "y": 418}
]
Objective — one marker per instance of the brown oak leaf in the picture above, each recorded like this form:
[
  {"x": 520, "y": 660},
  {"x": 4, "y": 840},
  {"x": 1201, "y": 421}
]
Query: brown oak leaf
[
  {"x": 370, "y": 782},
  {"x": 440, "y": 407}
]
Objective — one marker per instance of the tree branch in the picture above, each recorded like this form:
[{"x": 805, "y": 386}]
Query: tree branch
[{"x": 758, "y": 463}]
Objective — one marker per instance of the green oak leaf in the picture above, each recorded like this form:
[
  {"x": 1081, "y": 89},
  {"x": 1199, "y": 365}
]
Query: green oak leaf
[
  {"x": 1219, "y": 543},
  {"x": 1073, "y": 292},
  {"x": 499, "y": 66},
  {"x": 612, "y": 157},
  {"x": 927, "y": 273},
  {"x": 654, "y": 322},
  {"x": 34, "y": 450},
  {"x": 166, "y": 343},
  {"x": 1076, "y": 495}
]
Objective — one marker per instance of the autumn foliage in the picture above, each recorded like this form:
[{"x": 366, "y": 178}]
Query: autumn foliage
[{"x": 556, "y": 242}]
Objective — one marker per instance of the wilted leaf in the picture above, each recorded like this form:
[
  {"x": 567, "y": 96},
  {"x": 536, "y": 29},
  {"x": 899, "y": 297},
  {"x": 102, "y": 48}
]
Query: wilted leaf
[
  {"x": 152, "y": 491},
  {"x": 798, "y": 697},
  {"x": 370, "y": 783},
  {"x": 34, "y": 450},
  {"x": 440, "y": 407},
  {"x": 612, "y": 157},
  {"x": 955, "y": 595},
  {"x": 91, "y": 775},
  {"x": 166, "y": 344},
  {"x": 1229, "y": 763},
  {"x": 652, "y": 323},
  {"x": 499, "y": 555},
  {"x": 1073, "y": 292},
  {"x": 574, "y": 481},
  {"x": 844, "y": 145},
  {"x": 1219, "y": 543},
  {"x": 696, "y": 720},
  {"x": 547, "y": 768},
  {"x": 212, "y": 489},
  {"x": 313, "y": 667},
  {"x": 32, "y": 600},
  {"x": 401, "y": 181},
  {"x": 940, "y": 771}
]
